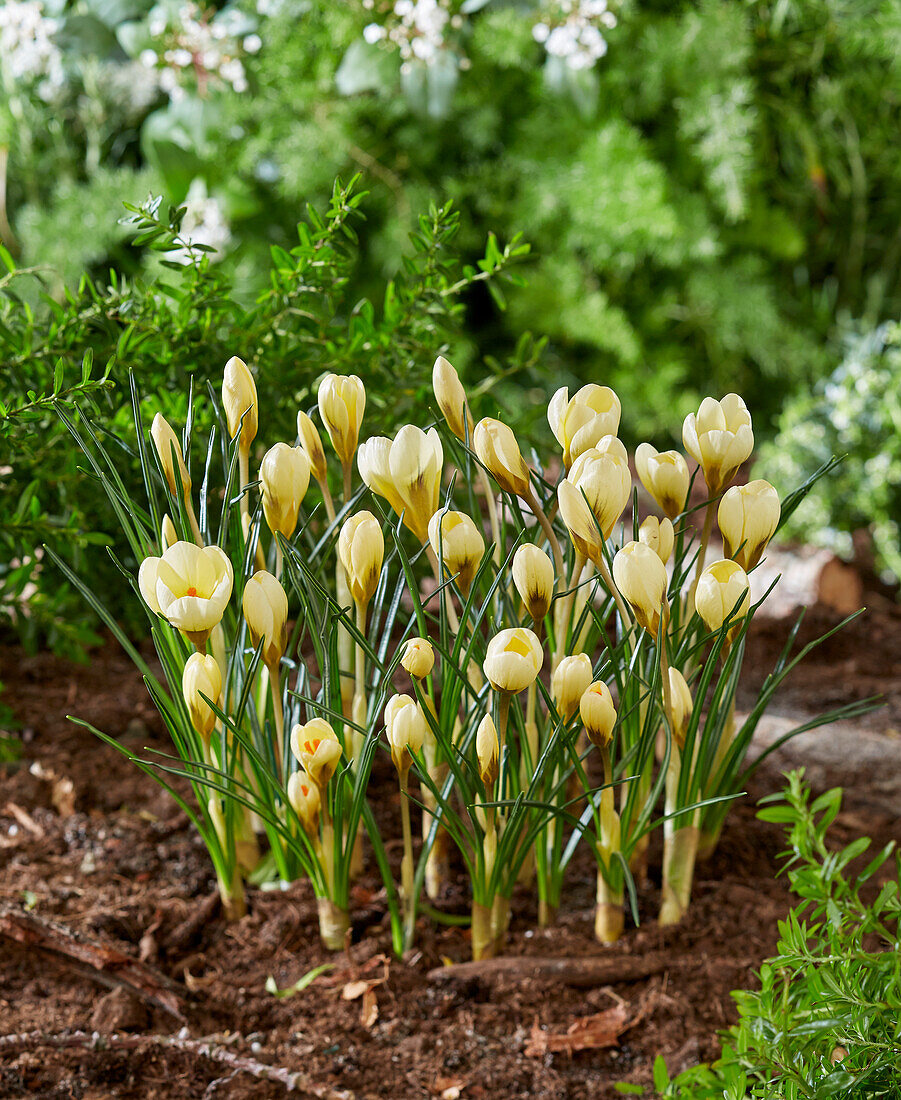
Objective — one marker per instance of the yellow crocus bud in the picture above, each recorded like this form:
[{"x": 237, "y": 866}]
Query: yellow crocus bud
[
  {"x": 342, "y": 401},
  {"x": 171, "y": 458},
  {"x": 311, "y": 442},
  {"x": 318, "y": 750},
  {"x": 496, "y": 447},
  {"x": 598, "y": 713},
  {"x": 570, "y": 681},
  {"x": 533, "y": 575},
  {"x": 458, "y": 545},
  {"x": 719, "y": 438},
  {"x": 580, "y": 422},
  {"x": 418, "y": 657},
  {"x": 451, "y": 398},
  {"x": 285, "y": 476},
  {"x": 602, "y": 473},
  {"x": 406, "y": 729},
  {"x": 748, "y": 517},
  {"x": 579, "y": 519},
  {"x": 361, "y": 550},
  {"x": 189, "y": 586},
  {"x": 681, "y": 706},
  {"x": 513, "y": 659},
  {"x": 306, "y": 802},
  {"x": 664, "y": 474},
  {"x": 487, "y": 750},
  {"x": 201, "y": 677},
  {"x": 168, "y": 534},
  {"x": 722, "y": 589},
  {"x": 239, "y": 399},
  {"x": 265, "y": 608},
  {"x": 659, "y": 535},
  {"x": 641, "y": 577}
]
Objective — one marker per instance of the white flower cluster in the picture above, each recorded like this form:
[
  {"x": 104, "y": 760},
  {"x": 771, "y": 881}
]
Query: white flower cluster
[
  {"x": 572, "y": 30},
  {"x": 204, "y": 223},
  {"x": 416, "y": 27},
  {"x": 27, "y": 50},
  {"x": 198, "y": 48}
]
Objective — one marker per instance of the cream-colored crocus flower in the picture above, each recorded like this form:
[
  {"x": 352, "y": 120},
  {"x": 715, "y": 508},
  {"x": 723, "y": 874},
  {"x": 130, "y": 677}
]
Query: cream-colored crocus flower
[
  {"x": 570, "y": 681},
  {"x": 311, "y": 442},
  {"x": 581, "y": 421},
  {"x": 593, "y": 496},
  {"x": 418, "y": 657},
  {"x": 681, "y": 706},
  {"x": 497, "y": 450},
  {"x": 201, "y": 677},
  {"x": 659, "y": 535},
  {"x": 342, "y": 401},
  {"x": 640, "y": 576},
  {"x": 719, "y": 438},
  {"x": 189, "y": 586},
  {"x": 306, "y": 802},
  {"x": 748, "y": 517},
  {"x": 318, "y": 750},
  {"x": 406, "y": 729},
  {"x": 533, "y": 575},
  {"x": 451, "y": 398},
  {"x": 487, "y": 750},
  {"x": 722, "y": 591},
  {"x": 458, "y": 545},
  {"x": 513, "y": 659},
  {"x": 598, "y": 713},
  {"x": 665, "y": 476},
  {"x": 361, "y": 550},
  {"x": 171, "y": 457},
  {"x": 285, "y": 477},
  {"x": 265, "y": 607},
  {"x": 239, "y": 399},
  {"x": 407, "y": 473}
]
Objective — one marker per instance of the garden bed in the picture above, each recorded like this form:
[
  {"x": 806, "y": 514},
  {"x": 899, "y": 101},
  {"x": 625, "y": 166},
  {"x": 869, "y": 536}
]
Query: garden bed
[{"x": 88, "y": 842}]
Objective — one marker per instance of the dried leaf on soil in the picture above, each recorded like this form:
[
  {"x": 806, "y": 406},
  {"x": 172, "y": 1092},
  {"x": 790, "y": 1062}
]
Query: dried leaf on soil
[{"x": 603, "y": 1029}]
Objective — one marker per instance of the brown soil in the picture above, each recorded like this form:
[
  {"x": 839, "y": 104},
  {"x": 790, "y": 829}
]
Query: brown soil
[{"x": 112, "y": 857}]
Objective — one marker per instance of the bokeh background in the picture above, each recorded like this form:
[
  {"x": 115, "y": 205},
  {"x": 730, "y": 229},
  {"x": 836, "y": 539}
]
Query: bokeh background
[{"x": 710, "y": 192}]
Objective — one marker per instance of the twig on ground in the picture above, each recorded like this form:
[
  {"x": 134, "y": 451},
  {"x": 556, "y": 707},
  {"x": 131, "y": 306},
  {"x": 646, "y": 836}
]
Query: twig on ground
[{"x": 582, "y": 973}]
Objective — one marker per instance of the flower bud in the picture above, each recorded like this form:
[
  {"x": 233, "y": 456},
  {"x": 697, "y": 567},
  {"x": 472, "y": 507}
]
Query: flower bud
[
  {"x": 586, "y": 536},
  {"x": 722, "y": 589},
  {"x": 496, "y": 447},
  {"x": 593, "y": 495},
  {"x": 306, "y": 802},
  {"x": 580, "y": 422},
  {"x": 342, "y": 401},
  {"x": 570, "y": 681},
  {"x": 311, "y": 442},
  {"x": 641, "y": 577},
  {"x": 265, "y": 608},
  {"x": 681, "y": 706},
  {"x": 171, "y": 458},
  {"x": 659, "y": 535},
  {"x": 418, "y": 657},
  {"x": 598, "y": 713},
  {"x": 316, "y": 746},
  {"x": 168, "y": 534},
  {"x": 239, "y": 399},
  {"x": 748, "y": 517},
  {"x": 361, "y": 550},
  {"x": 458, "y": 544},
  {"x": 664, "y": 474},
  {"x": 533, "y": 575},
  {"x": 285, "y": 476},
  {"x": 451, "y": 398},
  {"x": 487, "y": 750},
  {"x": 406, "y": 728},
  {"x": 513, "y": 659},
  {"x": 719, "y": 438},
  {"x": 201, "y": 676}
]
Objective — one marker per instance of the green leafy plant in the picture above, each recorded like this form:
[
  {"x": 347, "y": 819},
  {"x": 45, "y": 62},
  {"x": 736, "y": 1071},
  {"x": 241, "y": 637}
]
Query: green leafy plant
[{"x": 825, "y": 1020}]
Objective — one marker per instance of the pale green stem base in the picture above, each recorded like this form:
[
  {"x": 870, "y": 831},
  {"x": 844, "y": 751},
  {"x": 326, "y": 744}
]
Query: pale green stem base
[
  {"x": 679, "y": 853},
  {"x": 334, "y": 923}
]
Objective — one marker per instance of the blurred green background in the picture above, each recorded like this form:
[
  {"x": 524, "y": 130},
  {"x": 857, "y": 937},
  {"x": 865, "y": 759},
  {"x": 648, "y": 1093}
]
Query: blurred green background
[{"x": 711, "y": 192}]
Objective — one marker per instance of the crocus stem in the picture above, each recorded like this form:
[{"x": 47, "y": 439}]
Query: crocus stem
[
  {"x": 702, "y": 554},
  {"x": 563, "y": 610},
  {"x": 243, "y": 478},
  {"x": 482, "y": 939},
  {"x": 452, "y": 621},
  {"x": 624, "y": 613},
  {"x": 608, "y": 924},
  {"x": 334, "y": 921},
  {"x": 279, "y": 716},
  {"x": 192, "y": 520},
  {"x": 491, "y": 501},
  {"x": 347, "y": 472},
  {"x": 327, "y": 500},
  {"x": 231, "y": 893},
  {"x": 408, "y": 899},
  {"x": 359, "y": 706},
  {"x": 532, "y": 500},
  {"x": 345, "y": 643},
  {"x": 279, "y": 559}
]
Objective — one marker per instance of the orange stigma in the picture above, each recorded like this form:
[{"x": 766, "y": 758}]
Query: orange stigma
[{"x": 192, "y": 591}]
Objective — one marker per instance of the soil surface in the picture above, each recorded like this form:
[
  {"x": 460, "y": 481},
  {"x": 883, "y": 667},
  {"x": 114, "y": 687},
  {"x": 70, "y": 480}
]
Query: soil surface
[{"x": 89, "y": 842}]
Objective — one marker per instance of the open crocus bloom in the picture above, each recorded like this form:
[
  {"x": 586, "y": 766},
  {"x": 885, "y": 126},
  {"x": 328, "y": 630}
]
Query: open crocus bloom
[
  {"x": 316, "y": 746},
  {"x": 513, "y": 659},
  {"x": 189, "y": 586},
  {"x": 719, "y": 438},
  {"x": 407, "y": 473},
  {"x": 581, "y": 421}
]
